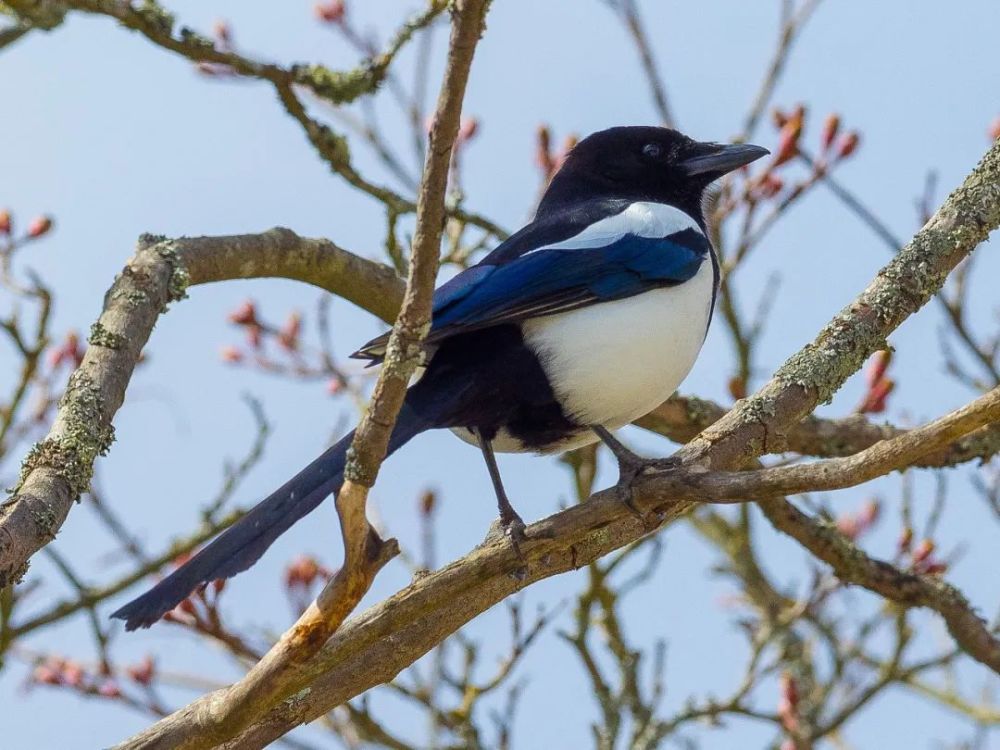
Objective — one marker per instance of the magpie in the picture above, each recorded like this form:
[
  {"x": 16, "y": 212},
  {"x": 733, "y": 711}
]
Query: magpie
[{"x": 581, "y": 322}]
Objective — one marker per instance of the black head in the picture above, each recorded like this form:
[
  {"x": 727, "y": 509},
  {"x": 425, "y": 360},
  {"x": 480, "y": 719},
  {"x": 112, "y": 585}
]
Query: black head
[{"x": 644, "y": 164}]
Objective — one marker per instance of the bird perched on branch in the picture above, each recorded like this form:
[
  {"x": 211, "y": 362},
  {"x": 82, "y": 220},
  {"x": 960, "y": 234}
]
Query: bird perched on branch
[{"x": 583, "y": 321}]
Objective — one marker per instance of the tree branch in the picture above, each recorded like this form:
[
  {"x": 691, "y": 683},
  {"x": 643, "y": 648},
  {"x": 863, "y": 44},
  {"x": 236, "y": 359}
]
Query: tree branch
[
  {"x": 836, "y": 473},
  {"x": 909, "y": 589},
  {"x": 681, "y": 418}
]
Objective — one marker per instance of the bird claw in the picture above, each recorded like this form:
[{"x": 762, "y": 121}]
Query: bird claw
[
  {"x": 630, "y": 467},
  {"x": 513, "y": 528}
]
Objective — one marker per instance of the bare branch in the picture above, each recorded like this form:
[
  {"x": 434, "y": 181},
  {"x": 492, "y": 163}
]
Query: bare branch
[
  {"x": 629, "y": 12},
  {"x": 792, "y": 22},
  {"x": 836, "y": 473},
  {"x": 681, "y": 418}
]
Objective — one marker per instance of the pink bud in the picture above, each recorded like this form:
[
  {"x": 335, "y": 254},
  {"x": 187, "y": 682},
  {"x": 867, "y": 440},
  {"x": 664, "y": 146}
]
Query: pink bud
[
  {"x": 109, "y": 689},
  {"x": 46, "y": 675},
  {"x": 143, "y": 672},
  {"x": 870, "y": 512},
  {"x": 73, "y": 674},
  {"x": 301, "y": 572},
  {"x": 877, "y": 366},
  {"x": 848, "y": 144},
  {"x": 245, "y": 314},
  {"x": 223, "y": 33},
  {"x": 428, "y": 500},
  {"x": 849, "y": 526},
  {"x": 231, "y": 354},
  {"x": 831, "y": 126},
  {"x": 468, "y": 129},
  {"x": 770, "y": 185},
  {"x": 994, "y": 131},
  {"x": 69, "y": 351},
  {"x": 924, "y": 550},
  {"x": 331, "y": 12},
  {"x": 39, "y": 226},
  {"x": 875, "y": 399},
  {"x": 288, "y": 337},
  {"x": 788, "y": 142}
]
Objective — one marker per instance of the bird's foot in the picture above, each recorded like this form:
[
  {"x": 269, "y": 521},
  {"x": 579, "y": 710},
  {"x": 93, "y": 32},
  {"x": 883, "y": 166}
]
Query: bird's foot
[
  {"x": 630, "y": 467},
  {"x": 513, "y": 527}
]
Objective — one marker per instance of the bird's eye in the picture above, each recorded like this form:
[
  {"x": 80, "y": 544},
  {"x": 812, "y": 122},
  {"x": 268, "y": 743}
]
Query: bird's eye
[{"x": 652, "y": 151}]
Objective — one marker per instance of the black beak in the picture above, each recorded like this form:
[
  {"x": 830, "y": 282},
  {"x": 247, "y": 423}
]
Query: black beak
[{"x": 720, "y": 160}]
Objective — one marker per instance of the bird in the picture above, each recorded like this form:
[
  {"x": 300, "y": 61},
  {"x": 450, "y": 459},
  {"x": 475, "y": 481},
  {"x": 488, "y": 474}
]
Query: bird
[{"x": 584, "y": 320}]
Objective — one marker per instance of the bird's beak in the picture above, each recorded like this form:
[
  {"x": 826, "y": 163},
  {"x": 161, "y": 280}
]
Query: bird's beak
[{"x": 718, "y": 160}]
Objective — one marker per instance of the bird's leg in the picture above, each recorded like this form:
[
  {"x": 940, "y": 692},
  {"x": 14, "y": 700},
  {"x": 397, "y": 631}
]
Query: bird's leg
[
  {"x": 630, "y": 466},
  {"x": 511, "y": 522}
]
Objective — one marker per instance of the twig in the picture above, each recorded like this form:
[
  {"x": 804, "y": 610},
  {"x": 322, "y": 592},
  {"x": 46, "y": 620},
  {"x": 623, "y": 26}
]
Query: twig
[
  {"x": 835, "y": 473},
  {"x": 629, "y": 13},
  {"x": 792, "y": 22}
]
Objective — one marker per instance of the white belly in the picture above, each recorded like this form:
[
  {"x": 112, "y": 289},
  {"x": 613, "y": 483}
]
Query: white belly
[{"x": 614, "y": 362}]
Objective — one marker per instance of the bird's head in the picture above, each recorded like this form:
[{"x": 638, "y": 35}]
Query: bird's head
[{"x": 645, "y": 164}]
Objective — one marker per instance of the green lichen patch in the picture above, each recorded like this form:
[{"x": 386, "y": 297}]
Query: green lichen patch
[
  {"x": 101, "y": 336},
  {"x": 84, "y": 437},
  {"x": 699, "y": 412},
  {"x": 147, "y": 239},
  {"x": 333, "y": 146},
  {"x": 339, "y": 87},
  {"x": 156, "y": 16},
  {"x": 180, "y": 279}
]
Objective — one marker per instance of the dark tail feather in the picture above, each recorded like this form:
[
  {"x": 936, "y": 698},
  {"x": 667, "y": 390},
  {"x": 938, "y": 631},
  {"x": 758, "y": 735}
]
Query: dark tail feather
[{"x": 243, "y": 543}]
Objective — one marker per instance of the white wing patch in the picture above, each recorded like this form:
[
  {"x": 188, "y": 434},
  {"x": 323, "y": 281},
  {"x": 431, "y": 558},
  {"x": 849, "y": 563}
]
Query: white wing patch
[{"x": 640, "y": 219}]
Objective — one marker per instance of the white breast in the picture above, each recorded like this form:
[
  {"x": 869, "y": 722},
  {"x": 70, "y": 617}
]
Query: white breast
[{"x": 613, "y": 362}]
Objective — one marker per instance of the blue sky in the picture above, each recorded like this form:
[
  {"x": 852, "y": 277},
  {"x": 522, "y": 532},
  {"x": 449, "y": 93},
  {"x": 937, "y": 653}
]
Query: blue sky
[{"x": 116, "y": 138}]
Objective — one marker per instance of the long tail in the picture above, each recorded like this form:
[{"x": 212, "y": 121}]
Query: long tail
[{"x": 243, "y": 543}]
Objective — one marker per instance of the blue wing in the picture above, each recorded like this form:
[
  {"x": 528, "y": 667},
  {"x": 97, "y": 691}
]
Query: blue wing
[
  {"x": 557, "y": 279},
  {"x": 547, "y": 281}
]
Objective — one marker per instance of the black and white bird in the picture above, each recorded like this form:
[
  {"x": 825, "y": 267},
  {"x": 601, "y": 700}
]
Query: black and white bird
[{"x": 583, "y": 321}]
